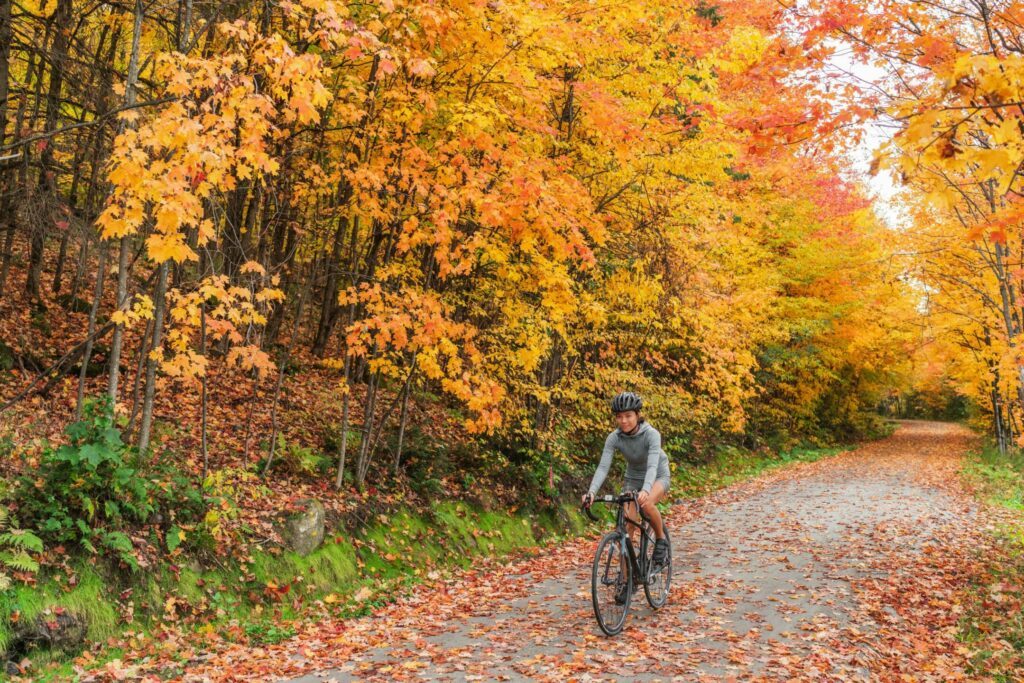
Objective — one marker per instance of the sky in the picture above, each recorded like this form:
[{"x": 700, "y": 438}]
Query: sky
[{"x": 881, "y": 186}]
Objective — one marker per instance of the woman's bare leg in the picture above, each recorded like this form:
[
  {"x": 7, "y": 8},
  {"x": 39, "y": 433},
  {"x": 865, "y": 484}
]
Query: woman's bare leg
[{"x": 651, "y": 509}]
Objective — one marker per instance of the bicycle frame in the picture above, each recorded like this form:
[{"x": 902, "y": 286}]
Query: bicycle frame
[{"x": 622, "y": 523}]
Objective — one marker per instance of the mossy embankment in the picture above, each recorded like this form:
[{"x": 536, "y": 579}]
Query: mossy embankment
[{"x": 355, "y": 572}]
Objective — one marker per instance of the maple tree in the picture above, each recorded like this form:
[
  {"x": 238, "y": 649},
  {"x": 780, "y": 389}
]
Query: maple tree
[{"x": 949, "y": 87}]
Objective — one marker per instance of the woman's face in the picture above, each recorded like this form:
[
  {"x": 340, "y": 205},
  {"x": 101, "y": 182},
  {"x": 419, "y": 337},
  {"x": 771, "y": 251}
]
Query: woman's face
[{"x": 627, "y": 420}]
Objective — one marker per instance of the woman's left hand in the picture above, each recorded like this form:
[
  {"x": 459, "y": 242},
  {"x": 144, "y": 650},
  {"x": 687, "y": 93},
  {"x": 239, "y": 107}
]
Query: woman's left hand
[{"x": 641, "y": 497}]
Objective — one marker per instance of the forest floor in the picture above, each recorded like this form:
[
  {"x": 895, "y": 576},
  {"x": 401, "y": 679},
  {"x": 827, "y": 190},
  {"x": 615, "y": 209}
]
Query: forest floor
[{"x": 855, "y": 567}]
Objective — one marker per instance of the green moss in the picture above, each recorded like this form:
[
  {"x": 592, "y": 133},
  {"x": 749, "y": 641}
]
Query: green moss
[
  {"x": 26, "y": 602},
  {"x": 188, "y": 585},
  {"x": 90, "y": 599},
  {"x": 456, "y": 519},
  {"x": 577, "y": 521},
  {"x": 149, "y": 591},
  {"x": 329, "y": 568},
  {"x": 500, "y": 533}
]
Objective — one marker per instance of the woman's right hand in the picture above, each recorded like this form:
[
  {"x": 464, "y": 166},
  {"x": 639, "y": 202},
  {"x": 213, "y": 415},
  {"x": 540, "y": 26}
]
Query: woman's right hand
[{"x": 588, "y": 499}]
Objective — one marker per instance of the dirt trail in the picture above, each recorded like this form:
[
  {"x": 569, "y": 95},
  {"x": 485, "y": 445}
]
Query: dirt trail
[{"x": 845, "y": 569}]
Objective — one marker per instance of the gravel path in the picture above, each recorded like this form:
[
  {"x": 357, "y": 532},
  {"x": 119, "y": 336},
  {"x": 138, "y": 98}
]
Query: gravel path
[{"x": 822, "y": 571}]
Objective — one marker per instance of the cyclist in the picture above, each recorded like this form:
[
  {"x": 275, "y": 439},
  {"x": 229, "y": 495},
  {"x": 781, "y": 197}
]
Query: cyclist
[{"x": 646, "y": 469}]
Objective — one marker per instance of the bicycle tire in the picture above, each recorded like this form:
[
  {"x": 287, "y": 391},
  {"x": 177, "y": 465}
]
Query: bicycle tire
[
  {"x": 658, "y": 584},
  {"x": 608, "y": 558}
]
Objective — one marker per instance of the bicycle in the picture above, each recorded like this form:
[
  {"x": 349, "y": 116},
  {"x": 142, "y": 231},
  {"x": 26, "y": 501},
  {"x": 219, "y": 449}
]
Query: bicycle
[{"x": 610, "y": 572}]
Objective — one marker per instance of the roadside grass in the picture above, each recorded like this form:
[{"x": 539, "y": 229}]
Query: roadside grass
[{"x": 993, "y": 621}]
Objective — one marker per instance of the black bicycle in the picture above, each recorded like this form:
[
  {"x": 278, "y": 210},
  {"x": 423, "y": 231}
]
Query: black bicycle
[{"x": 618, "y": 568}]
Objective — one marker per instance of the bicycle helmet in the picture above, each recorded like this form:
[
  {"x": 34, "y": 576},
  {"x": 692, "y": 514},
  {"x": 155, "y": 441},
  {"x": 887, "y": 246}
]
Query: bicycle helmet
[{"x": 627, "y": 400}]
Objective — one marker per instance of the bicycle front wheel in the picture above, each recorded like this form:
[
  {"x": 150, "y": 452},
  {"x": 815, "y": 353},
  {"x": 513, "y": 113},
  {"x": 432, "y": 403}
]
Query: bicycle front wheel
[
  {"x": 659, "y": 578},
  {"x": 611, "y": 583}
]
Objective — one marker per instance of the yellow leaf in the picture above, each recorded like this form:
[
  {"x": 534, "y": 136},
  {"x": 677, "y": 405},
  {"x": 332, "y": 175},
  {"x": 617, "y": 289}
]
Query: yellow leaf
[
  {"x": 162, "y": 248},
  {"x": 253, "y": 267}
]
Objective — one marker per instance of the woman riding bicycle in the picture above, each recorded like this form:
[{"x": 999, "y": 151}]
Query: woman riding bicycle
[{"x": 646, "y": 468}]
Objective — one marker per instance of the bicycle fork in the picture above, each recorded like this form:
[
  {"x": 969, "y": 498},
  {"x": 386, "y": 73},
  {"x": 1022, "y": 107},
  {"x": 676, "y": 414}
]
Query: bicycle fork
[
  {"x": 629, "y": 555},
  {"x": 625, "y": 554}
]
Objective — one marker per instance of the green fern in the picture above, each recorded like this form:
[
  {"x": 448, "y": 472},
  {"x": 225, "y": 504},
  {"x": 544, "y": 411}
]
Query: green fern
[
  {"x": 19, "y": 538},
  {"x": 15, "y": 546},
  {"x": 20, "y": 562}
]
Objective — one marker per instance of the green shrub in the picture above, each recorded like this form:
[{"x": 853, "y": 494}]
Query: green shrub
[
  {"x": 88, "y": 491},
  {"x": 218, "y": 530},
  {"x": 297, "y": 459}
]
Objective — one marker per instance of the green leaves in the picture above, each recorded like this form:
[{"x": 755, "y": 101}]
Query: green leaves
[
  {"x": 119, "y": 542},
  {"x": 15, "y": 546},
  {"x": 19, "y": 538},
  {"x": 174, "y": 538},
  {"x": 21, "y": 562},
  {"x": 90, "y": 490},
  {"x": 91, "y": 454}
]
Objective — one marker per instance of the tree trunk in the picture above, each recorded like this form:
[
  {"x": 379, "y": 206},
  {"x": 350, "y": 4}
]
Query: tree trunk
[
  {"x": 7, "y": 211},
  {"x": 344, "y": 424},
  {"x": 345, "y": 407},
  {"x": 80, "y": 263},
  {"x": 97, "y": 299},
  {"x": 329, "y": 306},
  {"x": 402, "y": 421},
  {"x": 202, "y": 397},
  {"x": 5, "y": 65},
  {"x": 122, "y": 261},
  {"x": 48, "y": 172},
  {"x": 62, "y": 255},
  {"x": 159, "y": 305},
  {"x": 6, "y": 219},
  {"x": 235, "y": 241},
  {"x": 114, "y": 364},
  {"x": 369, "y": 412},
  {"x": 140, "y": 365},
  {"x": 283, "y": 368}
]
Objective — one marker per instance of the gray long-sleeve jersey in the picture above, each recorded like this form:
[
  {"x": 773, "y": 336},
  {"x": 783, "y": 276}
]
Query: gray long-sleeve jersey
[{"x": 644, "y": 457}]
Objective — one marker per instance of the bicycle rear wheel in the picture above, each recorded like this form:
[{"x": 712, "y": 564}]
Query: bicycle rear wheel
[
  {"x": 659, "y": 579},
  {"x": 610, "y": 574}
]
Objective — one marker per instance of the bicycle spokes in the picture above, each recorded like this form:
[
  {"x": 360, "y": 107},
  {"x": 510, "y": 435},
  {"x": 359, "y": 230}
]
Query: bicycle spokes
[
  {"x": 612, "y": 584},
  {"x": 612, "y": 574},
  {"x": 659, "y": 577}
]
